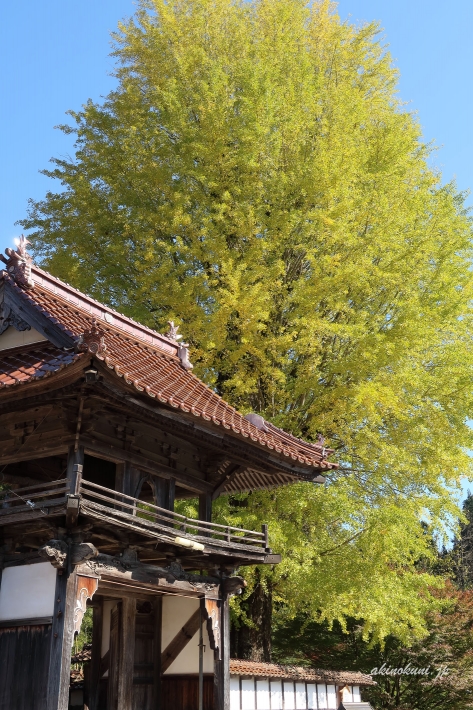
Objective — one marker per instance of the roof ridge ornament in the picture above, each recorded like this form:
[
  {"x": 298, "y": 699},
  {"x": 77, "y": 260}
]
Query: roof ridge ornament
[
  {"x": 172, "y": 333},
  {"x": 92, "y": 340},
  {"x": 182, "y": 348},
  {"x": 19, "y": 264}
]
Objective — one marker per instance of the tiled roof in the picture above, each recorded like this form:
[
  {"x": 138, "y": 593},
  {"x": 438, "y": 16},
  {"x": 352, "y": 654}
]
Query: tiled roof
[
  {"x": 316, "y": 675},
  {"x": 84, "y": 655},
  {"x": 33, "y": 362},
  {"x": 146, "y": 360}
]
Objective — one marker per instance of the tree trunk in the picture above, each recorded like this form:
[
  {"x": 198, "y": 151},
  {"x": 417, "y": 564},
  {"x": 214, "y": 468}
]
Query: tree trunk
[{"x": 253, "y": 643}]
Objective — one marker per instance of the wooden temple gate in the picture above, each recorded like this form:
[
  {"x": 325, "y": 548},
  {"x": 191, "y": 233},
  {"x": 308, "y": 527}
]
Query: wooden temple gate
[{"x": 103, "y": 428}]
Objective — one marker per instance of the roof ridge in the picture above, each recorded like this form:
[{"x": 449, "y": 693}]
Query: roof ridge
[{"x": 48, "y": 279}]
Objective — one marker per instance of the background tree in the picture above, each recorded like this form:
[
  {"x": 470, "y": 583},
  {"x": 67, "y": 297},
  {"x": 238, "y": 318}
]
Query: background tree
[
  {"x": 462, "y": 553},
  {"x": 446, "y": 652},
  {"x": 255, "y": 177}
]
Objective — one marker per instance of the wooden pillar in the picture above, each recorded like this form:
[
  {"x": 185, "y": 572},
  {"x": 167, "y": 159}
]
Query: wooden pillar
[
  {"x": 75, "y": 464},
  {"x": 158, "y": 622},
  {"x": 222, "y": 664},
  {"x": 205, "y": 511},
  {"x": 61, "y": 643},
  {"x": 126, "y": 662},
  {"x": 165, "y": 493},
  {"x": 96, "y": 662}
]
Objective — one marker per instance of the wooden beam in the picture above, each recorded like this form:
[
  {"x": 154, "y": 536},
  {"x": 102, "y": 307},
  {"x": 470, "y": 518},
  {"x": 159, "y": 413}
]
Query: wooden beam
[
  {"x": 39, "y": 452},
  {"x": 75, "y": 466},
  {"x": 111, "y": 591},
  {"x": 180, "y": 641},
  {"x": 229, "y": 476},
  {"x": 126, "y": 661},
  {"x": 113, "y": 453}
]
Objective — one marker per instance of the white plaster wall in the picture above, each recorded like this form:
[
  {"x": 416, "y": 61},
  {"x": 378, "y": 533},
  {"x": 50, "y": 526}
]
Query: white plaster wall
[
  {"x": 176, "y": 612},
  {"x": 256, "y": 694},
  {"x": 27, "y": 591},
  {"x": 12, "y": 338}
]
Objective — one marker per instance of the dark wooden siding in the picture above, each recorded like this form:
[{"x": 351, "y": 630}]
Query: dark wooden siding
[
  {"x": 24, "y": 661},
  {"x": 181, "y": 692}
]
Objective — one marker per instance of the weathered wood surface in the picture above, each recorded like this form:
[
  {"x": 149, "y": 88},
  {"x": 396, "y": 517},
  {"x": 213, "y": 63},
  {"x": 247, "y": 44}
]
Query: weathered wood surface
[
  {"x": 149, "y": 578},
  {"x": 24, "y": 685},
  {"x": 114, "y": 658},
  {"x": 96, "y": 447},
  {"x": 181, "y": 692},
  {"x": 126, "y": 655},
  {"x": 180, "y": 641},
  {"x": 12, "y": 623},
  {"x": 62, "y": 635},
  {"x": 158, "y": 620},
  {"x": 128, "y": 505},
  {"x": 145, "y": 655}
]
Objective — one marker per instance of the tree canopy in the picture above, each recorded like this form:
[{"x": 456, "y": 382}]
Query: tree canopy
[{"x": 255, "y": 177}]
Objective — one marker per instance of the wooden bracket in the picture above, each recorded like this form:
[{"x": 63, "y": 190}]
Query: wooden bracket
[
  {"x": 85, "y": 589},
  {"x": 212, "y": 614}
]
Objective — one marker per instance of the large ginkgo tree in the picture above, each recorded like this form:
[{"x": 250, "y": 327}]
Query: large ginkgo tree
[{"x": 255, "y": 177}]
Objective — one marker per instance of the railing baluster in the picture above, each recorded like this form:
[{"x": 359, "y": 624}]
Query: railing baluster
[
  {"x": 264, "y": 530},
  {"x": 162, "y": 518}
]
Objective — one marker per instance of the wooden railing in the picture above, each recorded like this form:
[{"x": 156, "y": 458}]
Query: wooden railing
[
  {"x": 129, "y": 512},
  {"x": 35, "y": 497},
  {"x": 147, "y": 515}
]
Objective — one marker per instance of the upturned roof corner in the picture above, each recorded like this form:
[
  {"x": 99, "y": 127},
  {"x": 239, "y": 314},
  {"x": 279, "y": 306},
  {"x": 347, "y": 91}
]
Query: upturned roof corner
[{"x": 19, "y": 264}]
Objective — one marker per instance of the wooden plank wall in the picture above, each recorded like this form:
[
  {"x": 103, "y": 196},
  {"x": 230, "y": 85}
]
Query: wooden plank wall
[
  {"x": 24, "y": 651},
  {"x": 181, "y": 692}
]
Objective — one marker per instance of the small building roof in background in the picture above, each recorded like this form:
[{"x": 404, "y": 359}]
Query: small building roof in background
[{"x": 315, "y": 675}]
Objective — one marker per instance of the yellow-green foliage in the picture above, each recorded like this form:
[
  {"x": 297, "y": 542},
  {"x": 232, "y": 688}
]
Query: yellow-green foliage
[{"x": 255, "y": 177}]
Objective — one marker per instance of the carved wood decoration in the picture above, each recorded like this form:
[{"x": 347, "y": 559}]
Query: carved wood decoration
[
  {"x": 55, "y": 551},
  {"x": 19, "y": 264},
  {"x": 86, "y": 588},
  {"x": 212, "y": 614},
  {"x": 234, "y": 585},
  {"x": 83, "y": 551},
  {"x": 144, "y": 576},
  {"x": 92, "y": 340},
  {"x": 10, "y": 318}
]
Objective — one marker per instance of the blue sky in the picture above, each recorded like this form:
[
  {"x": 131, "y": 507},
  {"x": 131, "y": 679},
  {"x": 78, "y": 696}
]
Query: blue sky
[{"x": 54, "y": 55}]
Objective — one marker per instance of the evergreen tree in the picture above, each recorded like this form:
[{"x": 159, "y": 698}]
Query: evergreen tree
[
  {"x": 255, "y": 177},
  {"x": 462, "y": 553}
]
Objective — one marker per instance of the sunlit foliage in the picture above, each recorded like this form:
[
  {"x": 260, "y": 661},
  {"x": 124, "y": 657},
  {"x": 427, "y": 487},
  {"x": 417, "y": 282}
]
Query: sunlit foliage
[{"x": 255, "y": 177}]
